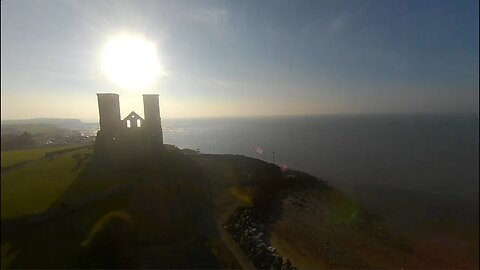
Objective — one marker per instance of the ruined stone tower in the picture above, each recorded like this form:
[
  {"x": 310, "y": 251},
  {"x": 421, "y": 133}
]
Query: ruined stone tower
[
  {"x": 153, "y": 125},
  {"x": 109, "y": 112},
  {"x": 132, "y": 138}
]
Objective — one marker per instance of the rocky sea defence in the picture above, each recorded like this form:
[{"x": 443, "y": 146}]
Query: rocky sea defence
[{"x": 248, "y": 230}]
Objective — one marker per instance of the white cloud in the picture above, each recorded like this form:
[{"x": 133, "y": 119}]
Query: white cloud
[
  {"x": 212, "y": 18},
  {"x": 339, "y": 22},
  {"x": 210, "y": 15}
]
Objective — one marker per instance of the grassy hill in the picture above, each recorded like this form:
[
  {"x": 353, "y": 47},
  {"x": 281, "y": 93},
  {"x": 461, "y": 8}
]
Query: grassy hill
[
  {"x": 54, "y": 243},
  {"x": 13, "y": 157},
  {"x": 37, "y": 185},
  {"x": 319, "y": 227},
  {"x": 32, "y": 128},
  {"x": 61, "y": 123},
  {"x": 168, "y": 202},
  {"x": 167, "y": 215}
]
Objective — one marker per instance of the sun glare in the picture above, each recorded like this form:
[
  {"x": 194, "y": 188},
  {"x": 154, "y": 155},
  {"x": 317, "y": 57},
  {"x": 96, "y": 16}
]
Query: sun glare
[{"x": 131, "y": 62}]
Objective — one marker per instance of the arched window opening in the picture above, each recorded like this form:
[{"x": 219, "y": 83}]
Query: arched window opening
[
  {"x": 128, "y": 124},
  {"x": 139, "y": 123}
]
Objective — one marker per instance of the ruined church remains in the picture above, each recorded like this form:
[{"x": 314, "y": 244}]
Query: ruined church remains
[{"x": 131, "y": 138}]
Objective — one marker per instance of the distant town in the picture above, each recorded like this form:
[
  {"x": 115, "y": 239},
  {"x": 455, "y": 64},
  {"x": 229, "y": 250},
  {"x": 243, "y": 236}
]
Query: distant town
[{"x": 43, "y": 132}]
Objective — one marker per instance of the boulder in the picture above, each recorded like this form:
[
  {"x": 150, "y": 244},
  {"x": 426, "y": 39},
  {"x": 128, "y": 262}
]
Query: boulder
[
  {"x": 285, "y": 264},
  {"x": 272, "y": 250},
  {"x": 277, "y": 262}
]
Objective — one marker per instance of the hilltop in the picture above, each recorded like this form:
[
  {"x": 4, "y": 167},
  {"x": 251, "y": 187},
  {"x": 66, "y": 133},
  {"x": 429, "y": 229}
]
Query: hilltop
[
  {"x": 29, "y": 133},
  {"x": 190, "y": 210},
  {"x": 56, "y": 122},
  {"x": 53, "y": 126}
]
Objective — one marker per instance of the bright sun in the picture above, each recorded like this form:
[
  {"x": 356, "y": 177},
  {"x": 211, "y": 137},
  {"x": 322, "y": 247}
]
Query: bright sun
[{"x": 131, "y": 61}]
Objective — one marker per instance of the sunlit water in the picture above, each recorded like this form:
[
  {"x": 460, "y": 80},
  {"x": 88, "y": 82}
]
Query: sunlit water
[{"x": 407, "y": 168}]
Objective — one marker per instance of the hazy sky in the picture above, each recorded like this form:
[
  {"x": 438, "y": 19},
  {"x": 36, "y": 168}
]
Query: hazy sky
[{"x": 226, "y": 58}]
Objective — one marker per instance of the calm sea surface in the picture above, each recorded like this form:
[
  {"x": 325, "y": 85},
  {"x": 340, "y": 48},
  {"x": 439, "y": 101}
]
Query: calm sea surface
[{"x": 406, "y": 168}]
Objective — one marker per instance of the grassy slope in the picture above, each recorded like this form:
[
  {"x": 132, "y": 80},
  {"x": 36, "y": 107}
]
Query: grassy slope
[
  {"x": 317, "y": 229},
  {"x": 40, "y": 184},
  {"x": 55, "y": 243},
  {"x": 324, "y": 228},
  {"x": 13, "y": 157},
  {"x": 92, "y": 180},
  {"x": 7, "y": 256},
  {"x": 33, "y": 188}
]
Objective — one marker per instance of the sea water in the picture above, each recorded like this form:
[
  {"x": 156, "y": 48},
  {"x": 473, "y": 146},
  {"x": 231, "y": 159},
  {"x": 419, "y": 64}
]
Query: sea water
[{"x": 404, "y": 167}]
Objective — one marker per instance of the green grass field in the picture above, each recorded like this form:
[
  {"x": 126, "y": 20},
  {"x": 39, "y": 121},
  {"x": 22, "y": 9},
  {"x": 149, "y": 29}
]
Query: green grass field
[
  {"x": 39, "y": 185},
  {"x": 34, "y": 187},
  {"x": 7, "y": 257},
  {"x": 13, "y": 157},
  {"x": 55, "y": 243},
  {"x": 72, "y": 177}
]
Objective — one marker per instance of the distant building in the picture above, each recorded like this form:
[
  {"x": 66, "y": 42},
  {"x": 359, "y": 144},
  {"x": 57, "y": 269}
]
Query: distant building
[{"x": 130, "y": 138}]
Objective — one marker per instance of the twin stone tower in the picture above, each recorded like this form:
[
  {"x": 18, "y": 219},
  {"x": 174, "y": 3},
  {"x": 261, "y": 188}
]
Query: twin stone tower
[{"x": 130, "y": 139}]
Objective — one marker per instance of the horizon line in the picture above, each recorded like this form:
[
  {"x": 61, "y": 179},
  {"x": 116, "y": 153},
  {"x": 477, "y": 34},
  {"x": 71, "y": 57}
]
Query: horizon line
[{"x": 86, "y": 120}]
